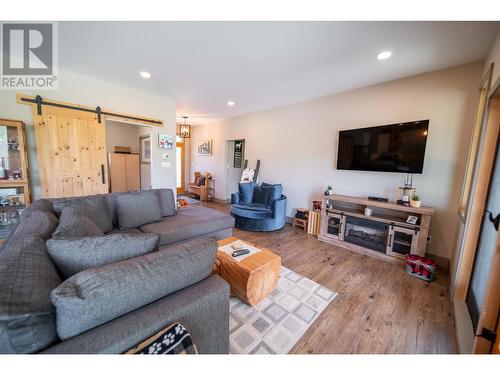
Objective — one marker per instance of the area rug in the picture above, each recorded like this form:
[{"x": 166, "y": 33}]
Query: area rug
[
  {"x": 279, "y": 321},
  {"x": 189, "y": 200}
]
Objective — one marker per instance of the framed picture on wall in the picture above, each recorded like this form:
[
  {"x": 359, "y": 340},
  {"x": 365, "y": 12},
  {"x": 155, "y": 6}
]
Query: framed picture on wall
[
  {"x": 205, "y": 148},
  {"x": 165, "y": 141},
  {"x": 145, "y": 149}
]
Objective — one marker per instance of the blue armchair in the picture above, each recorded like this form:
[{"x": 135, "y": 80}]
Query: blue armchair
[{"x": 259, "y": 208}]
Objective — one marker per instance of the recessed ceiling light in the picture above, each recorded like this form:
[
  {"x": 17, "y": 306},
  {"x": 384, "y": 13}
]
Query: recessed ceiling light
[
  {"x": 384, "y": 55},
  {"x": 230, "y": 103},
  {"x": 145, "y": 74}
]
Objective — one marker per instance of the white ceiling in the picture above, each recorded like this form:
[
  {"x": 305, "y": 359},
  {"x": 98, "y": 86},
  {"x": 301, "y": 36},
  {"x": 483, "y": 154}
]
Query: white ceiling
[{"x": 261, "y": 65}]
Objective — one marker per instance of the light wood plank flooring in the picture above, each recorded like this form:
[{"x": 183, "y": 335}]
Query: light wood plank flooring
[{"x": 379, "y": 308}]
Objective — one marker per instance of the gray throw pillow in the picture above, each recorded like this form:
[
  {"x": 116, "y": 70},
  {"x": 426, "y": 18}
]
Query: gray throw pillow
[
  {"x": 95, "y": 207},
  {"x": 27, "y": 317},
  {"x": 167, "y": 202},
  {"x": 97, "y": 295},
  {"x": 74, "y": 223},
  {"x": 35, "y": 222},
  {"x": 138, "y": 208},
  {"x": 72, "y": 255}
]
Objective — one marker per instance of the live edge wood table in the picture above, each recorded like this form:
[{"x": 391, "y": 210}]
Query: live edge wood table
[{"x": 251, "y": 279}]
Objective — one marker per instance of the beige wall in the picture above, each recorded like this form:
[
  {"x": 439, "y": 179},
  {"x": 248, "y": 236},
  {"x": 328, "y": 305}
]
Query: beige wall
[
  {"x": 79, "y": 89},
  {"x": 494, "y": 57},
  {"x": 297, "y": 144}
]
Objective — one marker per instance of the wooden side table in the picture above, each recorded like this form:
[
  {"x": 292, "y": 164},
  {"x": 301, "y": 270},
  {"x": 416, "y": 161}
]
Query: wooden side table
[
  {"x": 253, "y": 278},
  {"x": 302, "y": 223}
]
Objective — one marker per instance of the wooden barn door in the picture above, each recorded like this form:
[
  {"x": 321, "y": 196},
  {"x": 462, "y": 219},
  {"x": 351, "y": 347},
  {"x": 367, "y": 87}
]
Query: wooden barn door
[{"x": 71, "y": 149}]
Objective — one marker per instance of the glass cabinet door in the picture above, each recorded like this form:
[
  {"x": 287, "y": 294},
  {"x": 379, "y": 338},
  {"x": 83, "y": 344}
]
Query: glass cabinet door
[
  {"x": 11, "y": 153},
  {"x": 335, "y": 226},
  {"x": 12, "y": 204},
  {"x": 402, "y": 241}
]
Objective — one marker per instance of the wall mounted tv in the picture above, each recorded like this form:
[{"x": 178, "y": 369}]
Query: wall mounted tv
[{"x": 390, "y": 148}]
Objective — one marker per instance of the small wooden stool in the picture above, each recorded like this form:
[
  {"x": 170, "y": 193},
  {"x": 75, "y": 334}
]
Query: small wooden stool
[{"x": 300, "y": 222}]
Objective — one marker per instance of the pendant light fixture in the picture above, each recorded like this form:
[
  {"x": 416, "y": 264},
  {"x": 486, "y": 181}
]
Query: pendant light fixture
[{"x": 185, "y": 129}]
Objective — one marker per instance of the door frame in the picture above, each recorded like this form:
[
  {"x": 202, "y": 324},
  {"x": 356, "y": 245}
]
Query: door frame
[
  {"x": 470, "y": 339},
  {"x": 182, "y": 146}
]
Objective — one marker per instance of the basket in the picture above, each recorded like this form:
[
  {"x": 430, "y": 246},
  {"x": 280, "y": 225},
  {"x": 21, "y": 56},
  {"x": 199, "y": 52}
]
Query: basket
[{"x": 421, "y": 267}]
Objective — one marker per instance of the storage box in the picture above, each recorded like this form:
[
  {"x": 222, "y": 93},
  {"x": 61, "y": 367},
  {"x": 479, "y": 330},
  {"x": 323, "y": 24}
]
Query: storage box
[{"x": 421, "y": 267}]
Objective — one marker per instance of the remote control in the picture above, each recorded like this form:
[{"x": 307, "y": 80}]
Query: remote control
[
  {"x": 239, "y": 253},
  {"x": 380, "y": 199}
]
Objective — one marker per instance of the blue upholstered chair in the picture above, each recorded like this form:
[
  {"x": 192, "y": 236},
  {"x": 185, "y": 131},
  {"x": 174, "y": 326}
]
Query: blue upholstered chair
[{"x": 259, "y": 208}]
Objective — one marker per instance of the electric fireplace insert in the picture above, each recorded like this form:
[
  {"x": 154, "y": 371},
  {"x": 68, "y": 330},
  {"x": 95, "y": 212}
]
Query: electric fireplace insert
[{"x": 366, "y": 233}]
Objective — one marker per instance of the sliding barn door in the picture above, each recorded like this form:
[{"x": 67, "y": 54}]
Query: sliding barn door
[{"x": 71, "y": 149}]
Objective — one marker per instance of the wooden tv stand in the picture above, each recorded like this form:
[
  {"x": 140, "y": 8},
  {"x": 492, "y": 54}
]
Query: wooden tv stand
[{"x": 385, "y": 234}]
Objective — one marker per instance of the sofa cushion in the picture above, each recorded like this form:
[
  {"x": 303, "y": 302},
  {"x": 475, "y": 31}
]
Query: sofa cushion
[
  {"x": 276, "y": 190},
  {"x": 126, "y": 230},
  {"x": 252, "y": 211},
  {"x": 34, "y": 222},
  {"x": 261, "y": 195},
  {"x": 189, "y": 222},
  {"x": 137, "y": 208},
  {"x": 246, "y": 191},
  {"x": 74, "y": 223},
  {"x": 27, "y": 317},
  {"x": 95, "y": 207},
  {"x": 167, "y": 202},
  {"x": 72, "y": 255},
  {"x": 100, "y": 294}
]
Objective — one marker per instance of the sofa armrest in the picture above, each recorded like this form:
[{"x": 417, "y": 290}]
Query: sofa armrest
[
  {"x": 203, "y": 308},
  {"x": 99, "y": 295},
  {"x": 235, "y": 198},
  {"x": 279, "y": 207}
]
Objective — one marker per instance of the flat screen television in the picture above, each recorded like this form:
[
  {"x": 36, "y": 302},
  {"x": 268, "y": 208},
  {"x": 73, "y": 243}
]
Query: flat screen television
[{"x": 390, "y": 148}]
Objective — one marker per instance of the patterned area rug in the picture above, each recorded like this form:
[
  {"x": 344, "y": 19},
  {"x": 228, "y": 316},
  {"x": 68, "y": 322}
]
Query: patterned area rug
[{"x": 280, "y": 320}]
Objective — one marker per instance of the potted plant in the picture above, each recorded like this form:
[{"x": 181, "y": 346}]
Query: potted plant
[
  {"x": 415, "y": 201},
  {"x": 329, "y": 190}
]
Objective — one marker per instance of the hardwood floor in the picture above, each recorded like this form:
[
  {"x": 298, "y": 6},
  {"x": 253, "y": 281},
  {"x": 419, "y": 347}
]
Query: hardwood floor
[{"x": 379, "y": 308}]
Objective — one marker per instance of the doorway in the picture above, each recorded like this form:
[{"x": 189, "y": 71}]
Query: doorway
[
  {"x": 180, "y": 160},
  {"x": 477, "y": 301},
  {"x": 235, "y": 156}
]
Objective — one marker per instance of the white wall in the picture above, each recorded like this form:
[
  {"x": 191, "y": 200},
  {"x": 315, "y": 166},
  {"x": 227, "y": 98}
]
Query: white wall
[
  {"x": 84, "y": 90},
  {"x": 297, "y": 144},
  {"x": 120, "y": 134}
]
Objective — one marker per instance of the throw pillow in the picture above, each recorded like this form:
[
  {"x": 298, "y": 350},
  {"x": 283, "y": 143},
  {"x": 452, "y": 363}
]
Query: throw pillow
[
  {"x": 39, "y": 223},
  {"x": 246, "y": 192},
  {"x": 138, "y": 208},
  {"x": 72, "y": 255},
  {"x": 201, "y": 181},
  {"x": 74, "y": 223},
  {"x": 261, "y": 195},
  {"x": 27, "y": 276},
  {"x": 95, "y": 207},
  {"x": 276, "y": 191},
  {"x": 167, "y": 202},
  {"x": 101, "y": 294}
]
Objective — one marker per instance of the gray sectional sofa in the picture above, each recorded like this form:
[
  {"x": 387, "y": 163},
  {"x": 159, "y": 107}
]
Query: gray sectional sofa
[{"x": 100, "y": 274}]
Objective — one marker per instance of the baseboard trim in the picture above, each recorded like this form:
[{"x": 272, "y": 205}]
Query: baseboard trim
[{"x": 222, "y": 201}]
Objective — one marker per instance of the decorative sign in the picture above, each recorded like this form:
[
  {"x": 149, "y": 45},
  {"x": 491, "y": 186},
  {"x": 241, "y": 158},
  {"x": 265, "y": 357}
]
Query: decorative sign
[
  {"x": 165, "y": 141},
  {"x": 238, "y": 153}
]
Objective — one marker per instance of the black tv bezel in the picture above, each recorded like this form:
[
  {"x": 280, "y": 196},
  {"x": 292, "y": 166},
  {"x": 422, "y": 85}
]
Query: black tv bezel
[{"x": 427, "y": 121}]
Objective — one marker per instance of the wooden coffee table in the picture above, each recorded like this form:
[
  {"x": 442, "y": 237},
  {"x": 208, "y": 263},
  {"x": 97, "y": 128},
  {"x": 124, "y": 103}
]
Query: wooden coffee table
[{"x": 251, "y": 279}]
